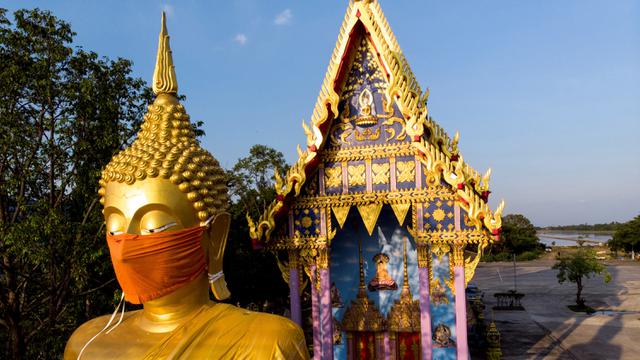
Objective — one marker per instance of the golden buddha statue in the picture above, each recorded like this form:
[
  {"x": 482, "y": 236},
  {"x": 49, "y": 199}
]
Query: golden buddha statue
[{"x": 164, "y": 199}]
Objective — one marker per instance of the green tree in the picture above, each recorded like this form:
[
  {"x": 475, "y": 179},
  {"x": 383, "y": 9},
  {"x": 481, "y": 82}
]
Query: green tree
[
  {"x": 253, "y": 276},
  {"x": 518, "y": 236},
  {"x": 63, "y": 113},
  {"x": 576, "y": 267},
  {"x": 627, "y": 236}
]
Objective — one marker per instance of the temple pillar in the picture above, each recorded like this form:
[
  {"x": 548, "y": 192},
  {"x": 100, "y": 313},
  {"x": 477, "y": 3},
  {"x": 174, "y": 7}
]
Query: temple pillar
[
  {"x": 326, "y": 316},
  {"x": 386, "y": 346},
  {"x": 426, "y": 340},
  {"x": 461, "y": 303},
  {"x": 294, "y": 288},
  {"x": 315, "y": 314}
]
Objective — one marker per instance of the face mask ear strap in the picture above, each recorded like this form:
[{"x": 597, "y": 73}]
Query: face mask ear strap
[{"x": 207, "y": 222}]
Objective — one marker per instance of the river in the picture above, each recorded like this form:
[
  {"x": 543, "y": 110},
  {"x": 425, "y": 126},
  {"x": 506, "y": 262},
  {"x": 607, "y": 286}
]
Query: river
[{"x": 567, "y": 238}]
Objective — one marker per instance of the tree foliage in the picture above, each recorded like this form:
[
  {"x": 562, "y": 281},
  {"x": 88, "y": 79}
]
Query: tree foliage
[
  {"x": 253, "y": 276},
  {"x": 63, "y": 113},
  {"x": 518, "y": 237},
  {"x": 627, "y": 236},
  {"x": 576, "y": 267}
]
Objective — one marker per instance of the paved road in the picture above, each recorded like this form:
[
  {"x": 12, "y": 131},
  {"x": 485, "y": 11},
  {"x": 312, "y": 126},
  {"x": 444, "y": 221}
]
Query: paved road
[{"x": 548, "y": 329}]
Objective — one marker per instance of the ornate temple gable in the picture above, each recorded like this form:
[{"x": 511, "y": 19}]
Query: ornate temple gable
[{"x": 395, "y": 93}]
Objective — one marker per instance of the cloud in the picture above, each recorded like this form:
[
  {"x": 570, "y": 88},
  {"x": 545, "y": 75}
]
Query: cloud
[
  {"x": 284, "y": 18},
  {"x": 168, "y": 9},
  {"x": 241, "y": 39}
]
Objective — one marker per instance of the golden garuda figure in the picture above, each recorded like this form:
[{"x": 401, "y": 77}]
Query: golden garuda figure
[{"x": 164, "y": 203}]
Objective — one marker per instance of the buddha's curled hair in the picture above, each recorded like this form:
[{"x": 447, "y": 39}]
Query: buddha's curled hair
[{"x": 166, "y": 146}]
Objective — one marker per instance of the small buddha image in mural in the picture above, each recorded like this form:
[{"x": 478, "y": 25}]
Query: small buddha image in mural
[
  {"x": 442, "y": 337},
  {"x": 438, "y": 294},
  {"x": 366, "y": 107},
  {"x": 382, "y": 280},
  {"x": 336, "y": 299}
]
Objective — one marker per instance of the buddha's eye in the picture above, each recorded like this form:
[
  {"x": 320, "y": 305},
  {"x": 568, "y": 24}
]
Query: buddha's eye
[
  {"x": 158, "y": 229},
  {"x": 113, "y": 233}
]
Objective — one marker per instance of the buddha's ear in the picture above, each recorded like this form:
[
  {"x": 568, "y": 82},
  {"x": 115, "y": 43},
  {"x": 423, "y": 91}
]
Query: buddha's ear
[{"x": 218, "y": 232}]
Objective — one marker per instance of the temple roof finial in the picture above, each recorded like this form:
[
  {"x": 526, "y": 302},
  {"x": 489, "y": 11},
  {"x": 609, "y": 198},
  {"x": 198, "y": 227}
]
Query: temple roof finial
[{"x": 164, "y": 75}]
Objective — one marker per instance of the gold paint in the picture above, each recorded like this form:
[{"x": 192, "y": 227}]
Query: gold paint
[
  {"x": 424, "y": 256},
  {"x": 401, "y": 210},
  {"x": 362, "y": 314},
  {"x": 333, "y": 177},
  {"x": 164, "y": 75},
  {"x": 164, "y": 177},
  {"x": 380, "y": 173},
  {"x": 367, "y": 134},
  {"x": 323, "y": 258},
  {"x": 438, "y": 214},
  {"x": 341, "y": 213},
  {"x": 369, "y": 214},
  {"x": 435, "y": 147},
  {"x": 365, "y": 100},
  {"x": 440, "y": 249},
  {"x": 458, "y": 255},
  {"x": 405, "y": 171},
  {"x": 357, "y": 175}
]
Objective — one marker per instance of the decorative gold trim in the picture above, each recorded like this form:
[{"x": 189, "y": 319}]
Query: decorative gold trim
[
  {"x": 451, "y": 237},
  {"x": 369, "y": 214},
  {"x": 341, "y": 212},
  {"x": 323, "y": 258},
  {"x": 387, "y": 197},
  {"x": 401, "y": 210},
  {"x": 436, "y": 150},
  {"x": 367, "y": 152},
  {"x": 424, "y": 256}
]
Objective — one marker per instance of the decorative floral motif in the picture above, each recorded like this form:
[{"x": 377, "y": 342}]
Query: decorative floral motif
[{"x": 406, "y": 171}]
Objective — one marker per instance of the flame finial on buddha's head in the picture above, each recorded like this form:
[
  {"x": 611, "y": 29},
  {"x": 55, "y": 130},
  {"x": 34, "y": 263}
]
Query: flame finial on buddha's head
[{"x": 166, "y": 146}]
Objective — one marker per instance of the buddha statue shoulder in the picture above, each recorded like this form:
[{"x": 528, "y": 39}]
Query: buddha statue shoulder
[{"x": 164, "y": 201}]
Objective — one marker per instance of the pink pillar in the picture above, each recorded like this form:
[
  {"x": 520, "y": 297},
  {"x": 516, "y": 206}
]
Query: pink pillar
[
  {"x": 461, "y": 314},
  {"x": 315, "y": 315},
  {"x": 387, "y": 349},
  {"x": 326, "y": 317},
  {"x": 294, "y": 295},
  {"x": 425, "y": 313}
]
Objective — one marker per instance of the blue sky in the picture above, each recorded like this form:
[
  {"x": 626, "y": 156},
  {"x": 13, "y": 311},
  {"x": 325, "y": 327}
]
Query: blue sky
[{"x": 545, "y": 92}]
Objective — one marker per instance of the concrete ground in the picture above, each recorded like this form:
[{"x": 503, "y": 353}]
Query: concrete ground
[{"x": 547, "y": 329}]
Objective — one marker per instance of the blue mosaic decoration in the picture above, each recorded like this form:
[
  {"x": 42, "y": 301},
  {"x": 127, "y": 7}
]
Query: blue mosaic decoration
[
  {"x": 439, "y": 215},
  {"x": 306, "y": 222}
]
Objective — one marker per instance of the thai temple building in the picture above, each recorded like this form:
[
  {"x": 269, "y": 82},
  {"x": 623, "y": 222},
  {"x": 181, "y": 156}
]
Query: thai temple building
[{"x": 380, "y": 211}]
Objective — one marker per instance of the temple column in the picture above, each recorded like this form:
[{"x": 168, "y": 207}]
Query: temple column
[
  {"x": 294, "y": 288},
  {"x": 326, "y": 317},
  {"x": 426, "y": 340},
  {"x": 315, "y": 314},
  {"x": 461, "y": 303},
  {"x": 386, "y": 346}
]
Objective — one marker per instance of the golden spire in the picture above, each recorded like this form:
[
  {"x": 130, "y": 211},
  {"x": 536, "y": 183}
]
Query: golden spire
[
  {"x": 406, "y": 290},
  {"x": 164, "y": 75}
]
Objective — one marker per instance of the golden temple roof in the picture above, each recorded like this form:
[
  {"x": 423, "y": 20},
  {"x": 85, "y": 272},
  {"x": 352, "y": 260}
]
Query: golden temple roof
[{"x": 437, "y": 151}]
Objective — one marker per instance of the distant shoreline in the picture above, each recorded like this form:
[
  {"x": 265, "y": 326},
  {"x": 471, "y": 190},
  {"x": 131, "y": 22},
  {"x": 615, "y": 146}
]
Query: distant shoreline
[{"x": 595, "y": 232}]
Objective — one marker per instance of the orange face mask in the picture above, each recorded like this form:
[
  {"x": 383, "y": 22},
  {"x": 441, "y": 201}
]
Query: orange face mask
[{"x": 151, "y": 266}]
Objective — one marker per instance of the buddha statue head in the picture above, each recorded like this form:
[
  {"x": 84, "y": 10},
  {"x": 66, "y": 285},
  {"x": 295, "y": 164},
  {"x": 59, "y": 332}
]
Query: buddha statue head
[{"x": 162, "y": 186}]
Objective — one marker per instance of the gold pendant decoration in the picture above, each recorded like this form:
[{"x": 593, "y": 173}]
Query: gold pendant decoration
[
  {"x": 341, "y": 212},
  {"x": 369, "y": 214},
  {"x": 401, "y": 211}
]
